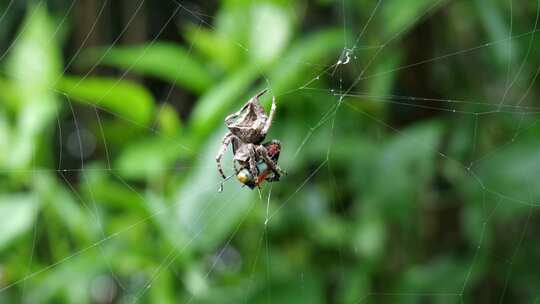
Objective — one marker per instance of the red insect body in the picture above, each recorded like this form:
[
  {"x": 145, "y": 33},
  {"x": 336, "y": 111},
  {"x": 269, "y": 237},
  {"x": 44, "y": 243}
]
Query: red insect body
[{"x": 273, "y": 152}]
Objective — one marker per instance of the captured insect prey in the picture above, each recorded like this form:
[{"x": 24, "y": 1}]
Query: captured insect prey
[
  {"x": 263, "y": 171},
  {"x": 253, "y": 161}
]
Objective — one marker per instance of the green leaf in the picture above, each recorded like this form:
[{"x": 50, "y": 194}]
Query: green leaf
[
  {"x": 370, "y": 235},
  {"x": 164, "y": 289},
  {"x": 292, "y": 71},
  {"x": 5, "y": 138},
  {"x": 433, "y": 280},
  {"x": 270, "y": 31},
  {"x": 494, "y": 19},
  {"x": 384, "y": 82},
  {"x": 59, "y": 198},
  {"x": 109, "y": 191},
  {"x": 17, "y": 215},
  {"x": 124, "y": 98},
  {"x": 9, "y": 95},
  {"x": 217, "y": 48},
  {"x": 513, "y": 173},
  {"x": 232, "y": 21},
  {"x": 406, "y": 163},
  {"x": 71, "y": 279},
  {"x": 167, "y": 61},
  {"x": 287, "y": 291},
  {"x": 355, "y": 286},
  {"x": 168, "y": 121},
  {"x": 148, "y": 158},
  {"x": 33, "y": 66},
  {"x": 256, "y": 33}
]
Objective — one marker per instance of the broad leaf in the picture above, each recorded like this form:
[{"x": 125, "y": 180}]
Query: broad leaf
[
  {"x": 123, "y": 98},
  {"x": 167, "y": 61},
  {"x": 217, "y": 48},
  {"x": 149, "y": 158},
  {"x": 270, "y": 32}
]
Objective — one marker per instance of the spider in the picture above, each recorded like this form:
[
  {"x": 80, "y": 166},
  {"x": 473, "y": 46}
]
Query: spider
[{"x": 247, "y": 129}]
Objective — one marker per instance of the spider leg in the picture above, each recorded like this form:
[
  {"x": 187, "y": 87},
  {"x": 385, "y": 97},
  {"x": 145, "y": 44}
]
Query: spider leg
[
  {"x": 235, "y": 141},
  {"x": 261, "y": 93},
  {"x": 268, "y": 123},
  {"x": 236, "y": 170},
  {"x": 253, "y": 161},
  {"x": 278, "y": 172},
  {"x": 224, "y": 144},
  {"x": 272, "y": 178},
  {"x": 257, "y": 104}
]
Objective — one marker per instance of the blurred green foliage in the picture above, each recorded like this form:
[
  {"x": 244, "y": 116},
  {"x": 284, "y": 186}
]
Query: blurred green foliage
[{"x": 409, "y": 131}]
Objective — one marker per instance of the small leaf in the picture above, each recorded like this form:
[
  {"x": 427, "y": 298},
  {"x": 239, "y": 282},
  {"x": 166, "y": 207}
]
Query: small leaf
[
  {"x": 168, "y": 121},
  {"x": 167, "y": 61},
  {"x": 218, "y": 48},
  {"x": 121, "y": 97},
  {"x": 369, "y": 237},
  {"x": 292, "y": 70},
  {"x": 17, "y": 215},
  {"x": 269, "y": 33}
]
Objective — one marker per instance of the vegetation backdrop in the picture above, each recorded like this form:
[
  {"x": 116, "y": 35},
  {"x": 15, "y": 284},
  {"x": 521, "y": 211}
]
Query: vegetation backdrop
[{"x": 409, "y": 129}]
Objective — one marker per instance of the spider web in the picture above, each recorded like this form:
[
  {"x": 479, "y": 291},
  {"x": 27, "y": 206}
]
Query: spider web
[{"x": 186, "y": 255}]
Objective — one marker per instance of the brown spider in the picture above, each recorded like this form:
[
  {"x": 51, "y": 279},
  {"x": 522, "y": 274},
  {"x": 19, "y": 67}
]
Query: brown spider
[{"x": 247, "y": 129}]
